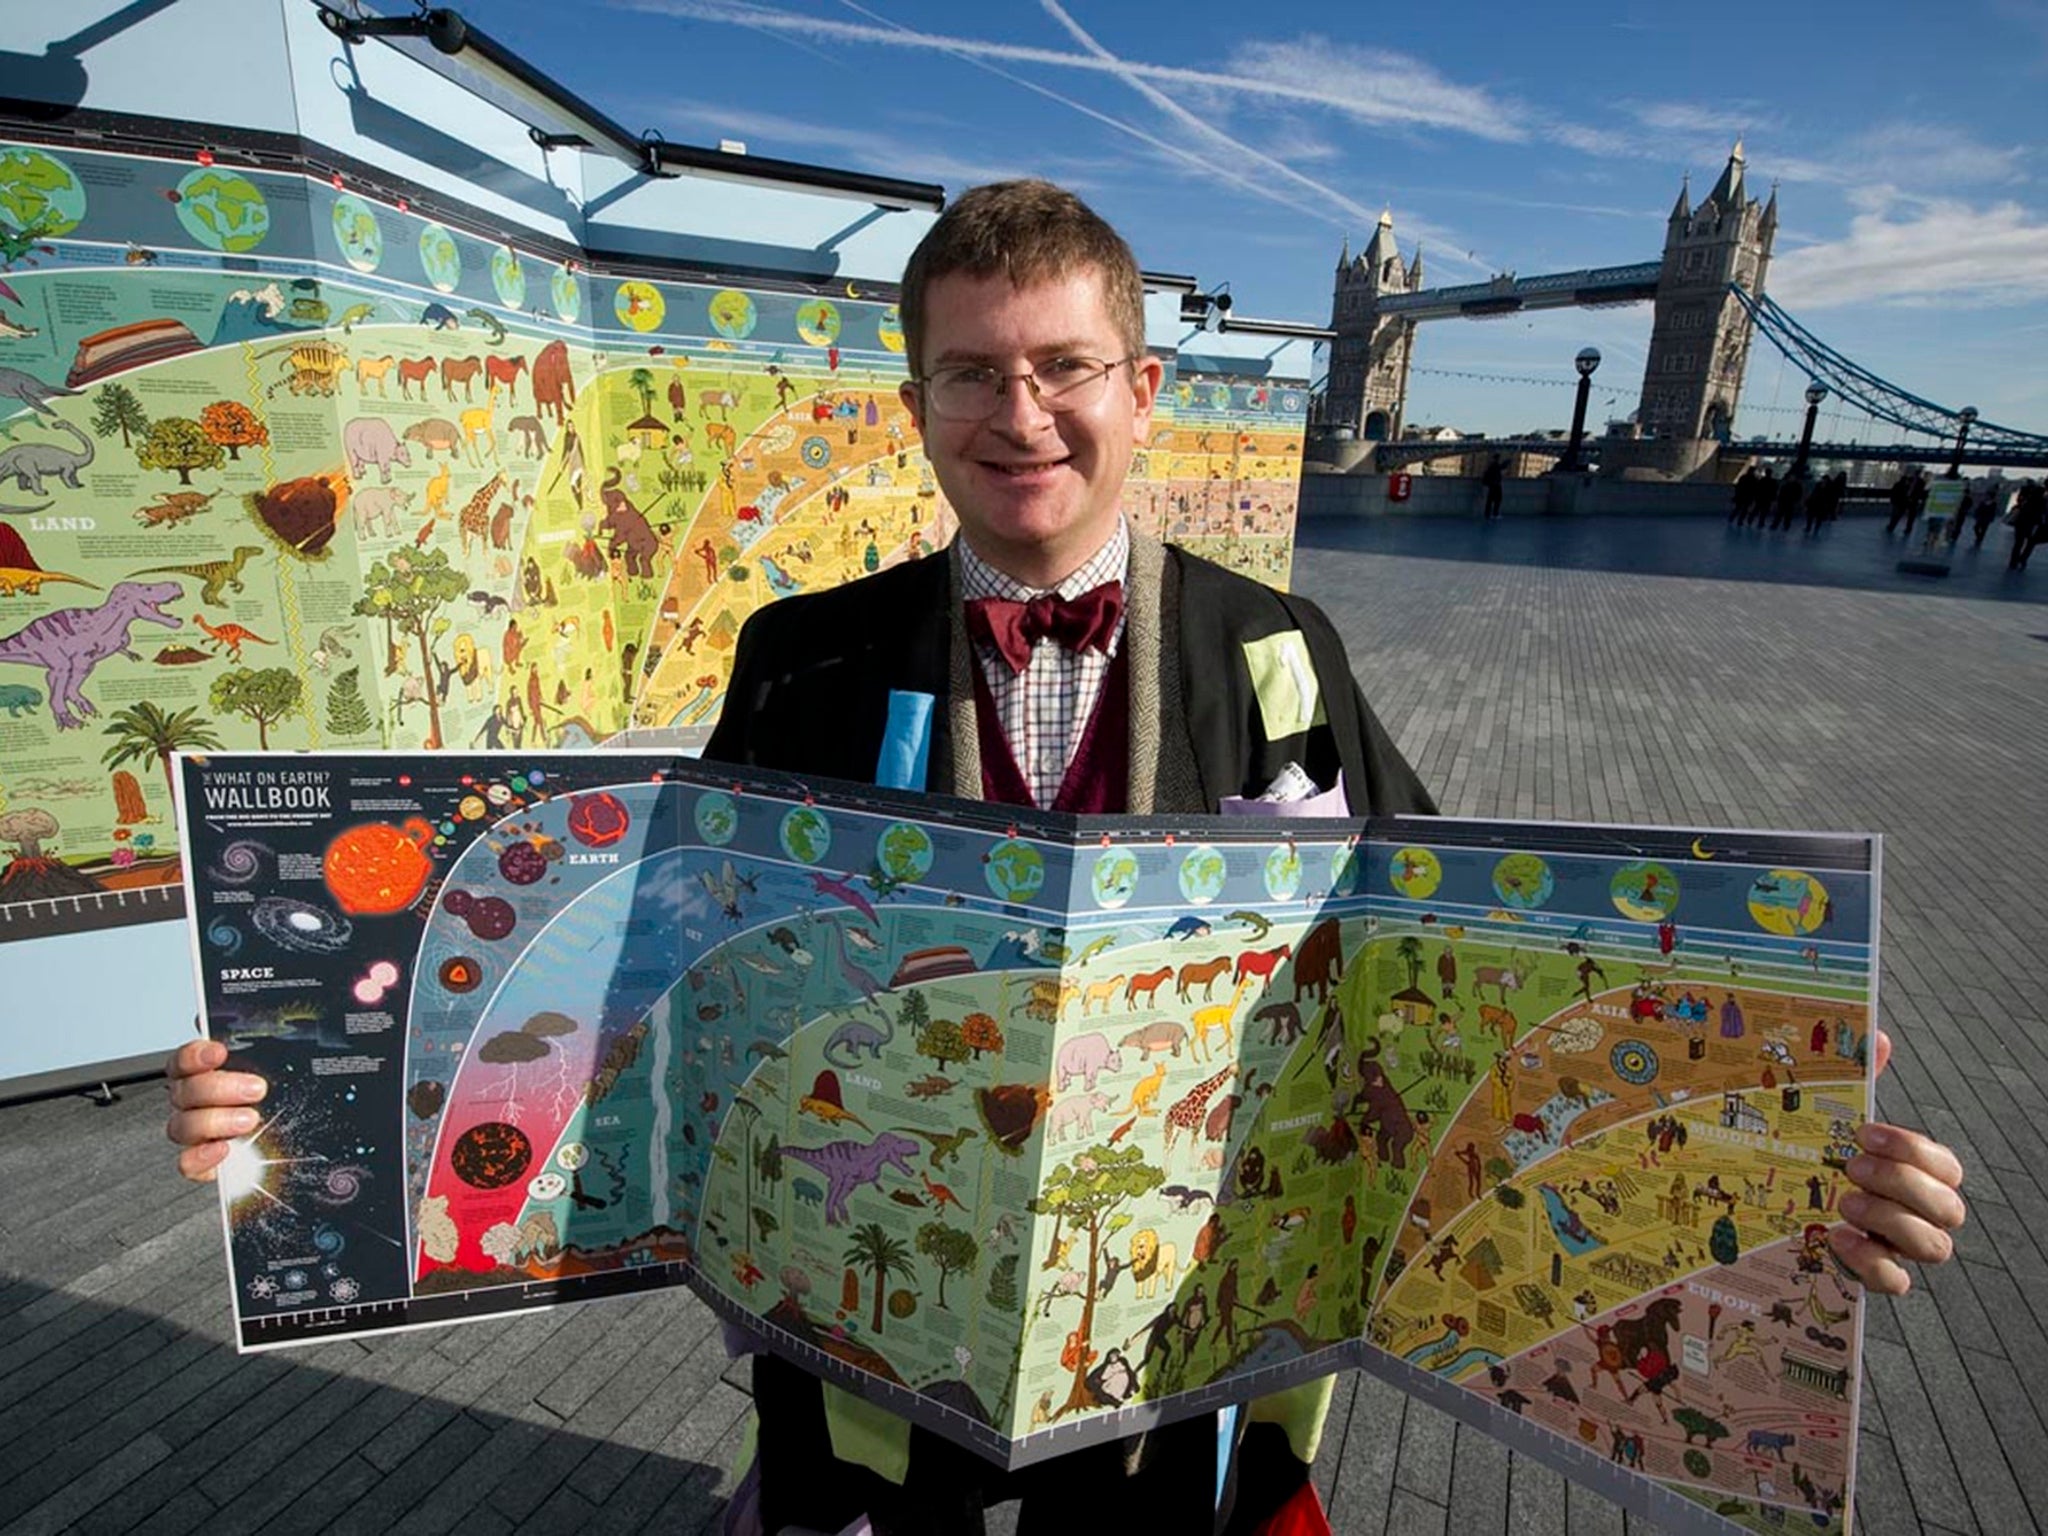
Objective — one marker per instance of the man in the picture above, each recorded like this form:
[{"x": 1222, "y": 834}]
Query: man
[{"x": 1053, "y": 656}]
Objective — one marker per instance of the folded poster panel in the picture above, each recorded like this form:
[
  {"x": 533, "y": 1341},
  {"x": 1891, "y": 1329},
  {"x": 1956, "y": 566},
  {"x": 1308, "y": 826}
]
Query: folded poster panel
[{"x": 1038, "y": 1129}]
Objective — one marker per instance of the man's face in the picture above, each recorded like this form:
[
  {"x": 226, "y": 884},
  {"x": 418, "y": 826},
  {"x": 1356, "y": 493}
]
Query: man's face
[{"x": 1036, "y": 491}]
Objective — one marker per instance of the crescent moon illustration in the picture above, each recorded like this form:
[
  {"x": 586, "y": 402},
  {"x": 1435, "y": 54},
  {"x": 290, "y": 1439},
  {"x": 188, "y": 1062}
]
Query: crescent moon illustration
[
  {"x": 852, "y": 292},
  {"x": 1699, "y": 851}
]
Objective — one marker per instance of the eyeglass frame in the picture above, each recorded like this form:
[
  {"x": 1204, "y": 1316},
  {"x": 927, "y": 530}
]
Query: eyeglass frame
[{"x": 1044, "y": 400}]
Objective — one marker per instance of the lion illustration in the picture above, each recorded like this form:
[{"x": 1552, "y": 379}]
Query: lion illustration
[{"x": 1152, "y": 1262}]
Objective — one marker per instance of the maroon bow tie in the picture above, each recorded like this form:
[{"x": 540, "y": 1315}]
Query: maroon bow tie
[{"x": 1083, "y": 623}]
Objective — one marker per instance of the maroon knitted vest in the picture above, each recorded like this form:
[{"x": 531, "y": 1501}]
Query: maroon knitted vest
[{"x": 1098, "y": 781}]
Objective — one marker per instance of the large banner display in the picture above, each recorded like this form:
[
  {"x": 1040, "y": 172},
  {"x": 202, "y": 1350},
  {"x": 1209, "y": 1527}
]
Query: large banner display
[
  {"x": 1039, "y": 1129},
  {"x": 290, "y": 464}
]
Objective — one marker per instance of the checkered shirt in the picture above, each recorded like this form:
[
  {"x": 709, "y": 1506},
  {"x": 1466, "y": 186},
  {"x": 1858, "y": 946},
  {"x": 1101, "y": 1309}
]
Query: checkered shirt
[{"x": 1045, "y": 708}]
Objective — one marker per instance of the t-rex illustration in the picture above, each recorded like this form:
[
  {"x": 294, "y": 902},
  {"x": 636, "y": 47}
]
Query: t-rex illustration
[
  {"x": 27, "y": 464},
  {"x": 847, "y": 1165},
  {"x": 231, "y": 635},
  {"x": 218, "y": 576},
  {"x": 69, "y": 642}
]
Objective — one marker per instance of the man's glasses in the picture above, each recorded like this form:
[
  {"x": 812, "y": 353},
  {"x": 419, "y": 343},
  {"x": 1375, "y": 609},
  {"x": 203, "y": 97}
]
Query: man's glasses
[{"x": 972, "y": 393}]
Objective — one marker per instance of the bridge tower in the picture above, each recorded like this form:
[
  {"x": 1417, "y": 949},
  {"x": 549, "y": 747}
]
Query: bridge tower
[
  {"x": 1699, "y": 339},
  {"x": 1368, "y": 381}
]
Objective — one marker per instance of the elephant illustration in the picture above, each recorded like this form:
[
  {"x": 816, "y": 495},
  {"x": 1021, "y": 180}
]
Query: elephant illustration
[{"x": 553, "y": 389}]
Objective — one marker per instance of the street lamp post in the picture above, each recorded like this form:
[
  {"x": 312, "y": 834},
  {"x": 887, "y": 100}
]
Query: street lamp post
[
  {"x": 1964, "y": 418},
  {"x": 1587, "y": 360},
  {"x": 1815, "y": 393}
]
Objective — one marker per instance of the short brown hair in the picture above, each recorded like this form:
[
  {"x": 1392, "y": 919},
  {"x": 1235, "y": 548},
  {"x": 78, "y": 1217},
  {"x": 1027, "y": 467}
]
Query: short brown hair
[{"x": 1031, "y": 232}]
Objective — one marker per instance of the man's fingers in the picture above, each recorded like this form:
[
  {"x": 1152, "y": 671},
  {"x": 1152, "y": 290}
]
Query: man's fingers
[
  {"x": 1908, "y": 1233},
  {"x": 211, "y": 1089},
  {"x": 1904, "y": 1146},
  {"x": 202, "y": 1163},
  {"x": 194, "y": 1128},
  {"x": 1881, "y": 1048},
  {"x": 194, "y": 1057},
  {"x": 1872, "y": 1260}
]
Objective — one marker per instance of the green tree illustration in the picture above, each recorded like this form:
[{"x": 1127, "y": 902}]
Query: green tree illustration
[
  {"x": 1088, "y": 1192},
  {"x": 1410, "y": 951},
  {"x": 874, "y": 1250},
  {"x": 642, "y": 383},
  {"x": 265, "y": 697},
  {"x": 116, "y": 409},
  {"x": 407, "y": 590},
  {"x": 347, "y": 714},
  {"x": 943, "y": 1041},
  {"x": 142, "y": 731},
  {"x": 951, "y": 1249},
  {"x": 1002, "y": 1284},
  {"x": 179, "y": 444}
]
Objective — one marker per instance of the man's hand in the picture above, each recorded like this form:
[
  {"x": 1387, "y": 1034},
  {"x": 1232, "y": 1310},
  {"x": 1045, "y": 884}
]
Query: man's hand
[
  {"x": 1905, "y": 1205},
  {"x": 209, "y": 1107}
]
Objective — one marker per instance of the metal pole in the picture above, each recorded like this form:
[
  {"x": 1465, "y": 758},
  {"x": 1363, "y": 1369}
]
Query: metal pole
[
  {"x": 1964, "y": 418},
  {"x": 1805, "y": 442},
  {"x": 1570, "y": 461}
]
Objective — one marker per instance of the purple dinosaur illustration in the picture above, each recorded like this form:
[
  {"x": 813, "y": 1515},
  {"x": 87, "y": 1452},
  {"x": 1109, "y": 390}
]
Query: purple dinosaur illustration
[
  {"x": 68, "y": 643},
  {"x": 849, "y": 1164}
]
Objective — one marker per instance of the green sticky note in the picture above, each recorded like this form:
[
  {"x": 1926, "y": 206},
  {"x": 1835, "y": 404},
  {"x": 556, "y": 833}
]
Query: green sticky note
[{"x": 1285, "y": 682}]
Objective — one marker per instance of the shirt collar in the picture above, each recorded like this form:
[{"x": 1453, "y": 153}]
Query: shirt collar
[{"x": 1110, "y": 563}]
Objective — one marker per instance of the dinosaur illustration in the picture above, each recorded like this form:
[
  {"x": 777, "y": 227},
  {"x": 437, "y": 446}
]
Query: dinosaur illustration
[
  {"x": 68, "y": 643},
  {"x": 19, "y": 571},
  {"x": 28, "y": 464},
  {"x": 847, "y": 1165},
  {"x": 31, "y": 391},
  {"x": 17, "y": 245},
  {"x": 855, "y": 1036},
  {"x": 217, "y": 576},
  {"x": 489, "y": 322},
  {"x": 231, "y": 635},
  {"x": 355, "y": 315},
  {"x": 173, "y": 507},
  {"x": 947, "y": 1147}
]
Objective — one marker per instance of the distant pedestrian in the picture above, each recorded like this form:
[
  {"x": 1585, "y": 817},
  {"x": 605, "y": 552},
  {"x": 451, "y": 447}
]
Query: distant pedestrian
[
  {"x": 1762, "y": 499},
  {"x": 1961, "y": 515},
  {"x": 1918, "y": 503},
  {"x": 1987, "y": 514},
  {"x": 1791, "y": 492},
  {"x": 1901, "y": 500},
  {"x": 1491, "y": 479},
  {"x": 1745, "y": 495},
  {"x": 2029, "y": 511}
]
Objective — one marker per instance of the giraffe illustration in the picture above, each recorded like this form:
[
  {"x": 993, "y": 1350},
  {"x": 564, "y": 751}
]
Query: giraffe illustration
[
  {"x": 475, "y": 521},
  {"x": 1189, "y": 1109}
]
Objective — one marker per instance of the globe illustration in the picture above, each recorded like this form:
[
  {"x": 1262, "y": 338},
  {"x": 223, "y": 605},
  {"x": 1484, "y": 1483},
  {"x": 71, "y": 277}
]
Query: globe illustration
[
  {"x": 1644, "y": 890},
  {"x": 358, "y": 233},
  {"x": 717, "y": 818},
  {"x": 1201, "y": 874},
  {"x": 508, "y": 277},
  {"x": 1344, "y": 870},
  {"x": 39, "y": 195},
  {"x": 1114, "y": 880},
  {"x": 1283, "y": 873},
  {"x": 565, "y": 295},
  {"x": 639, "y": 305},
  {"x": 733, "y": 314},
  {"x": 1788, "y": 902},
  {"x": 222, "y": 211},
  {"x": 805, "y": 834},
  {"x": 904, "y": 851},
  {"x": 440, "y": 258},
  {"x": 1523, "y": 882},
  {"x": 1415, "y": 873},
  {"x": 817, "y": 322},
  {"x": 889, "y": 328},
  {"x": 1015, "y": 871}
]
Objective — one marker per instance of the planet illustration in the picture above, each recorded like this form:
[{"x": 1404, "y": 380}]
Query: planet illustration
[
  {"x": 377, "y": 868},
  {"x": 222, "y": 211},
  {"x": 565, "y": 295},
  {"x": 1788, "y": 902},
  {"x": 357, "y": 233},
  {"x": 39, "y": 195},
  {"x": 733, "y": 314},
  {"x": 508, "y": 277},
  {"x": 491, "y": 1155},
  {"x": 1201, "y": 874},
  {"x": 1415, "y": 873},
  {"x": 639, "y": 305},
  {"x": 904, "y": 851},
  {"x": 716, "y": 818},
  {"x": 805, "y": 834},
  {"x": 1523, "y": 881},
  {"x": 598, "y": 820},
  {"x": 817, "y": 322},
  {"x": 889, "y": 328},
  {"x": 1015, "y": 870},
  {"x": 440, "y": 258},
  {"x": 1644, "y": 890},
  {"x": 1114, "y": 880},
  {"x": 1345, "y": 870},
  {"x": 1283, "y": 873}
]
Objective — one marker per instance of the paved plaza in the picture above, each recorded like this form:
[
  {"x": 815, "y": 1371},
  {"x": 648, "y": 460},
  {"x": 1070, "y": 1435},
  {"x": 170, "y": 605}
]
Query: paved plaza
[{"x": 1600, "y": 669}]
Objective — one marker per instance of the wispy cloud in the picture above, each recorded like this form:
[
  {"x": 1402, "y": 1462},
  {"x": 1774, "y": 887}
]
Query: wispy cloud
[
  {"x": 1725, "y": 118},
  {"x": 1944, "y": 253},
  {"x": 1914, "y": 156},
  {"x": 1381, "y": 88}
]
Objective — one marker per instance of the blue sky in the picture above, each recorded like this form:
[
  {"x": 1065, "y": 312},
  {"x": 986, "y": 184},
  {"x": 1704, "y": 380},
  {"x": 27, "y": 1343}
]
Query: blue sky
[{"x": 1246, "y": 142}]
